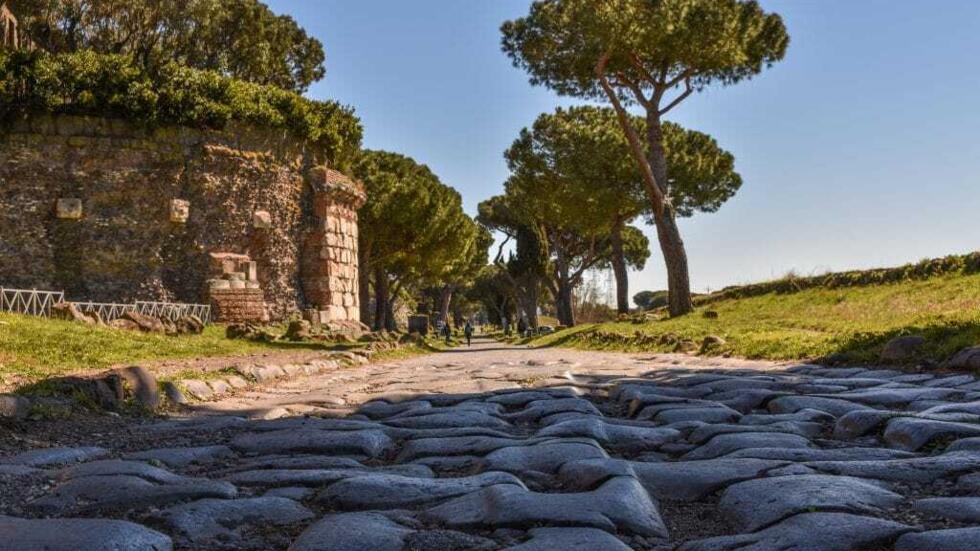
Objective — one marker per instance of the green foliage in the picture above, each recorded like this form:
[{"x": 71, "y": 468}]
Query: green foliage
[
  {"x": 925, "y": 269},
  {"x": 648, "y": 43},
  {"x": 649, "y": 300},
  {"x": 845, "y": 324},
  {"x": 243, "y": 39},
  {"x": 87, "y": 83}
]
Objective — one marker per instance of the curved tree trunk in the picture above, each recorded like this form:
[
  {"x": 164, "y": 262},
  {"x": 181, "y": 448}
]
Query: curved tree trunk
[
  {"x": 619, "y": 269},
  {"x": 668, "y": 234},
  {"x": 445, "y": 299},
  {"x": 563, "y": 302}
]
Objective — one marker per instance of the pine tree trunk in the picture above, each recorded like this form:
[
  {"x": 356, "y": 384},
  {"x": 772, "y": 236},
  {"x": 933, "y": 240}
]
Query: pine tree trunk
[
  {"x": 445, "y": 299},
  {"x": 619, "y": 269},
  {"x": 363, "y": 285},
  {"x": 668, "y": 234},
  {"x": 390, "y": 323},
  {"x": 565, "y": 307},
  {"x": 530, "y": 305}
]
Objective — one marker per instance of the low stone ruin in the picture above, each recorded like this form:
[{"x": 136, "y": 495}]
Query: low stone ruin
[{"x": 234, "y": 290}]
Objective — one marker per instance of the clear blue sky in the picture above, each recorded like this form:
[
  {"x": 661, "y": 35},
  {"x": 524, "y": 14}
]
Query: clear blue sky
[{"x": 860, "y": 149}]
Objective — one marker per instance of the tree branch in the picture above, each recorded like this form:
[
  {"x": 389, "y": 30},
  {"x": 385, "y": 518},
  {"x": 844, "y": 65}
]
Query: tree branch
[
  {"x": 687, "y": 92},
  {"x": 500, "y": 251},
  {"x": 636, "y": 147},
  {"x": 635, "y": 88}
]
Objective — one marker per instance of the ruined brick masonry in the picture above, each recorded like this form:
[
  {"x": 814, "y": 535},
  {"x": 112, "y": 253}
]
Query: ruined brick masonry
[{"x": 109, "y": 211}]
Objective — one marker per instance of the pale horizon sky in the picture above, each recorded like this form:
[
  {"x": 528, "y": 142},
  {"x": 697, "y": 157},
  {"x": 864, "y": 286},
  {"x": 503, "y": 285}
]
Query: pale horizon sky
[{"x": 860, "y": 149}]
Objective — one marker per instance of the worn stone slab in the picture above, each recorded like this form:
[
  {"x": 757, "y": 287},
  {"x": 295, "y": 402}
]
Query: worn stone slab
[
  {"x": 535, "y": 410},
  {"x": 98, "y": 493},
  {"x": 954, "y": 539},
  {"x": 54, "y": 457},
  {"x": 756, "y": 504},
  {"x": 896, "y": 397},
  {"x": 223, "y": 519},
  {"x": 802, "y": 416},
  {"x": 112, "y": 467},
  {"x": 546, "y": 457},
  {"x": 353, "y": 532},
  {"x": 965, "y": 444},
  {"x": 627, "y": 438},
  {"x": 833, "y": 406},
  {"x": 723, "y": 444},
  {"x": 372, "y": 443},
  {"x": 182, "y": 457},
  {"x": 570, "y": 539},
  {"x": 620, "y": 504},
  {"x": 718, "y": 414},
  {"x": 320, "y": 477},
  {"x": 918, "y": 469},
  {"x": 449, "y": 420},
  {"x": 58, "y": 534},
  {"x": 818, "y": 454},
  {"x": 810, "y": 532},
  {"x": 959, "y": 509},
  {"x": 909, "y": 433},
  {"x": 380, "y": 491},
  {"x": 674, "y": 480},
  {"x": 858, "y": 423},
  {"x": 704, "y": 433},
  {"x": 450, "y": 446}
]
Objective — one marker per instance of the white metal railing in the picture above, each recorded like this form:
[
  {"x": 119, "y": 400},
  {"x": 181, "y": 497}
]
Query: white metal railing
[
  {"x": 31, "y": 302},
  {"x": 39, "y": 303}
]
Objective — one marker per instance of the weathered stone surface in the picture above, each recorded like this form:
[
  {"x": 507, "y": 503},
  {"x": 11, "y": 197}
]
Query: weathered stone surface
[
  {"x": 570, "y": 539},
  {"x": 395, "y": 492},
  {"x": 680, "y": 481},
  {"x": 833, "y": 406},
  {"x": 858, "y": 423},
  {"x": 955, "y": 539},
  {"x": 968, "y": 358},
  {"x": 816, "y": 454},
  {"x": 704, "y": 433},
  {"x": 619, "y": 504},
  {"x": 534, "y": 411},
  {"x": 918, "y": 469},
  {"x": 449, "y": 420},
  {"x": 53, "y": 457},
  {"x": 223, "y": 519},
  {"x": 810, "y": 532},
  {"x": 909, "y": 433},
  {"x": 319, "y": 477},
  {"x": 199, "y": 390},
  {"x": 960, "y": 509},
  {"x": 99, "y": 493},
  {"x": 14, "y": 407},
  {"x": 74, "y": 534},
  {"x": 723, "y": 444},
  {"x": 353, "y": 532},
  {"x": 903, "y": 348},
  {"x": 721, "y": 414},
  {"x": 965, "y": 444},
  {"x": 455, "y": 445},
  {"x": 802, "y": 416},
  {"x": 111, "y": 467},
  {"x": 895, "y": 397},
  {"x": 546, "y": 457},
  {"x": 622, "y": 437},
  {"x": 182, "y": 457},
  {"x": 372, "y": 443},
  {"x": 756, "y": 504}
]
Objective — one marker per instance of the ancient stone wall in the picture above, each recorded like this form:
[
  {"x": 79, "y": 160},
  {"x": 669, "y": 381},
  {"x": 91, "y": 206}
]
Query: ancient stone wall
[{"x": 109, "y": 211}]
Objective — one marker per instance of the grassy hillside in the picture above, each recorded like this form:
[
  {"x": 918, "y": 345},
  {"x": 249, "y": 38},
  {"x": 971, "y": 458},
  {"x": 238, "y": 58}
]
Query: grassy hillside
[{"x": 852, "y": 324}]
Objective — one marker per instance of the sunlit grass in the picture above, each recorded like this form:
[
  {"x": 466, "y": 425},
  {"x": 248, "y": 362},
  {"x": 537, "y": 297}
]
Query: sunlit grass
[{"x": 852, "y": 323}]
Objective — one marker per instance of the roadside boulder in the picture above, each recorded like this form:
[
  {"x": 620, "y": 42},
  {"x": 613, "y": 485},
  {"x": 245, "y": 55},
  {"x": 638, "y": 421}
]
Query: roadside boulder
[
  {"x": 902, "y": 349},
  {"x": 70, "y": 312},
  {"x": 968, "y": 359},
  {"x": 146, "y": 324}
]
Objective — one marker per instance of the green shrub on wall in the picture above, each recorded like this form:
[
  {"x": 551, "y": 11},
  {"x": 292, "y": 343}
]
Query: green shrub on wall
[{"x": 86, "y": 83}]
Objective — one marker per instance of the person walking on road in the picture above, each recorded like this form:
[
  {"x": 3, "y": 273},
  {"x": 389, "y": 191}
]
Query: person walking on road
[
  {"x": 468, "y": 331},
  {"x": 447, "y": 332}
]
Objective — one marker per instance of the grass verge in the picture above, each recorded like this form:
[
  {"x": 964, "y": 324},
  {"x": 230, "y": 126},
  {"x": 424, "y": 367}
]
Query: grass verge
[{"x": 850, "y": 325}]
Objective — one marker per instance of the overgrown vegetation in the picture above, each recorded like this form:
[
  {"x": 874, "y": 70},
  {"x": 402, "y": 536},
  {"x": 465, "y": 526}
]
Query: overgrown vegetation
[
  {"x": 845, "y": 324},
  {"x": 87, "y": 83}
]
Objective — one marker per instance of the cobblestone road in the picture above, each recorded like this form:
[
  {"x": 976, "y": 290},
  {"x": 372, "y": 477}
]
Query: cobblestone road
[{"x": 506, "y": 448}]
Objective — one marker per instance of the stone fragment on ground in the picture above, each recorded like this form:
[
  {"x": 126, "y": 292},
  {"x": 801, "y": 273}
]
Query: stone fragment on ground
[
  {"x": 224, "y": 519},
  {"x": 57, "y": 534}
]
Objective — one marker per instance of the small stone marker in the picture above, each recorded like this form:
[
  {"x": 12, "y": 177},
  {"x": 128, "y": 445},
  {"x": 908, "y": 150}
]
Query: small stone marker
[
  {"x": 69, "y": 209},
  {"x": 262, "y": 220},
  {"x": 180, "y": 211}
]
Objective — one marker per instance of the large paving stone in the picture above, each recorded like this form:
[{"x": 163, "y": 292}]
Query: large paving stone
[
  {"x": 810, "y": 532},
  {"x": 546, "y": 457},
  {"x": 570, "y": 539},
  {"x": 117, "y": 492},
  {"x": 817, "y": 454},
  {"x": 372, "y": 443},
  {"x": 380, "y": 409},
  {"x": 626, "y": 438},
  {"x": 110, "y": 467},
  {"x": 918, "y": 469},
  {"x": 353, "y": 532},
  {"x": 909, "y": 433},
  {"x": 833, "y": 406},
  {"x": 457, "y": 445},
  {"x": 955, "y": 539},
  {"x": 536, "y": 410},
  {"x": 620, "y": 504},
  {"x": 449, "y": 420},
  {"x": 756, "y": 504},
  {"x": 676, "y": 480},
  {"x": 704, "y": 433},
  {"x": 965, "y": 444},
  {"x": 858, "y": 423},
  {"x": 960, "y": 509},
  {"x": 727, "y": 443},
  {"x": 394, "y": 492},
  {"x": 961, "y": 407},
  {"x": 716, "y": 414},
  {"x": 182, "y": 457},
  {"x": 895, "y": 397},
  {"x": 319, "y": 477},
  {"x": 58, "y": 534},
  {"x": 55, "y": 457},
  {"x": 224, "y": 519}
]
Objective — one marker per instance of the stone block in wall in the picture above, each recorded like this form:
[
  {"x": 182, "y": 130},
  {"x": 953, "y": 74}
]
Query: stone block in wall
[
  {"x": 238, "y": 305},
  {"x": 180, "y": 211},
  {"x": 69, "y": 208},
  {"x": 262, "y": 220}
]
